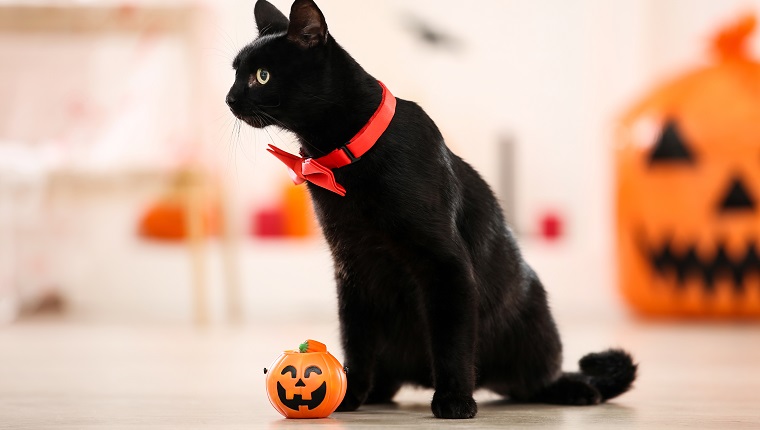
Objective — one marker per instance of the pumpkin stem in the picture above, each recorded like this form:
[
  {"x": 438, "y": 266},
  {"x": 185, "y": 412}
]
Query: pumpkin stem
[
  {"x": 311, "y": 345},
  {"x": 731, "y": 41}
]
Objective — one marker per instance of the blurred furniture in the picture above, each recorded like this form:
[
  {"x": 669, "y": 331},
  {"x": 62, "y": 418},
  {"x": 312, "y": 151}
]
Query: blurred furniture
[{"x": 148, "y": 21}]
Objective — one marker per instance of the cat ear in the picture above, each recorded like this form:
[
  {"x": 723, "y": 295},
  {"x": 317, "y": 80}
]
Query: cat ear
[
  {"x": 307, "y": 24},
  {"x": 269, "y": 20}
]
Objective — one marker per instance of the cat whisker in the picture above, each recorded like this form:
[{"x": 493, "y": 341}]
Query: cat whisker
[
  {"x": 236, "y": 132},
  {"x": 224, "y": 130},
  {"x": 273, "y": 119},
  {"x": 263, "y": 117},
  {"x": 223, "y": 117},
  {"x": 280, "y": 124},
  {"x": 229, "y": 134},
  {"x": 229, "y": 44},
  {"x": 243, "y": 146},
  {"x": 234, "y": 145},
  {"x": 218, "y": 54},
  {"x": 270, "y": 136}
]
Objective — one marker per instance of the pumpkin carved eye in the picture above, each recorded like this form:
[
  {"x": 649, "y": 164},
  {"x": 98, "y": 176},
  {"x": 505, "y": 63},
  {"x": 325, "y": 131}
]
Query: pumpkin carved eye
[
  {"x": 310, "y": 370},
  {"x": 737, "y": 197},
  {"x": 289, "y": 369},
  {"x": 671, "y": 147}
]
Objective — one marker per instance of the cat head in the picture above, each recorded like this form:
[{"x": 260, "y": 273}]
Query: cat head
[{"x": 281, "y": 76}]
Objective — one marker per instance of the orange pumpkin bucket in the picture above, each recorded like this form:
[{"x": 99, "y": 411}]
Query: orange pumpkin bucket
[
  {"x": 306, "y": 383},
  {"x": 688, "y": 189}
]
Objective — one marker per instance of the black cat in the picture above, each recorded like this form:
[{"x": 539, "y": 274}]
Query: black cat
[{"x": 432, "y": 288}]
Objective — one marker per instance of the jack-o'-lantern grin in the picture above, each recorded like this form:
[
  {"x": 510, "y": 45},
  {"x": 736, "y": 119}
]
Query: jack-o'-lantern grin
[
  {"x": 317, "y": 397},
  {"x": 684, "y": 263}
]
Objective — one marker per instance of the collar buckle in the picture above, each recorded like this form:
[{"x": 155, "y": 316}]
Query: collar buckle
[{"x": 349, "y": 154}]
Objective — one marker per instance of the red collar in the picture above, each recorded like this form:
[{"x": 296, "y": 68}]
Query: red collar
[{"x": 319, "y": 171}]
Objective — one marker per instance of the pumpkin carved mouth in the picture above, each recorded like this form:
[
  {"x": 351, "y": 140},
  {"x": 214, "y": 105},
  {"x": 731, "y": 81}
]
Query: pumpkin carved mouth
[
  {"x": 686, "y": 263},
  {"x": 317, "y": 397}
]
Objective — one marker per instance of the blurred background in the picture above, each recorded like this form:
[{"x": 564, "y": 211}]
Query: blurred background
[{"x": 130, "y": 194}]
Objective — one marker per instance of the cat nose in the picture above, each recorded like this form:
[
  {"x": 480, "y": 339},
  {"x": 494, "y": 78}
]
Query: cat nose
[{"x": 230, "y": 100}]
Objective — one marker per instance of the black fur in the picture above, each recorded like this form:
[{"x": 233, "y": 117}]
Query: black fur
[{"x": 432, "y": 288}]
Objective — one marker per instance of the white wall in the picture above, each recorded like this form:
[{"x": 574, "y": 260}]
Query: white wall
[{"x": 552, "y": 74}]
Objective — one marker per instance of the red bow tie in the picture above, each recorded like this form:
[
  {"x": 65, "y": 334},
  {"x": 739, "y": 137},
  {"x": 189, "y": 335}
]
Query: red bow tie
[{"x": 319, "y": 171}]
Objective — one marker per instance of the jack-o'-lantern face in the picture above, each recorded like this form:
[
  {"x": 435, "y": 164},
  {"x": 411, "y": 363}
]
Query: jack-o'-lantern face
[
  {"x": 296, "y": 389},
  {"x": 308, "y": 384},
  {"x": 689, "y": 191}
]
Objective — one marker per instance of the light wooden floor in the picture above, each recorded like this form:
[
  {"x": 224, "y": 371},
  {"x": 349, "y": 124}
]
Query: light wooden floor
[{"x": 65, "y": 375}]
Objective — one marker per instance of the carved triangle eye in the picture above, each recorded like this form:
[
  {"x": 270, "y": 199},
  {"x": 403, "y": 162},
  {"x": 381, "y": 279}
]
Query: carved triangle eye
[
  {"x": 671, "y": 147},
  {"x": 737, "y": 198}
]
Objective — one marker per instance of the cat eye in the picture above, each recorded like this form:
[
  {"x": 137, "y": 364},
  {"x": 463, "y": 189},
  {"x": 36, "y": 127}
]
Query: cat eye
[{"x": 262, "y": 75}]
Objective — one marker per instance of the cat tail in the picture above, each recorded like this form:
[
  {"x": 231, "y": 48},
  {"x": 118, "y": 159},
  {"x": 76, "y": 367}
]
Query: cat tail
[{"x": 603, "y": 375}]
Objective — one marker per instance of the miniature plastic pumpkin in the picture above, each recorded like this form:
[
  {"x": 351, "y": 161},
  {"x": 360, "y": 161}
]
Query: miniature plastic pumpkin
[
  {"x": 307, "y": 383},
  {"x": 688, "y": 190},
  {"x": 167, "y": 220}
]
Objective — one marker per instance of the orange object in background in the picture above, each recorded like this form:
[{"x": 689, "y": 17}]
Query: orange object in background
[
  {"x": 299, "y": 218},
  {"x": 688, "y": 190},
  {"x": 306, "y": 383},
  {"x": 291, "y": 217},
  {"x": 168, "y": 219}
]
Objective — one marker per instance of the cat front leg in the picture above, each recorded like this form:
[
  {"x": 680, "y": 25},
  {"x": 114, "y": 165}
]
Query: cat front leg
[
  {"x": 449, "y": 296},
  {"x": 359, "y": 341}
]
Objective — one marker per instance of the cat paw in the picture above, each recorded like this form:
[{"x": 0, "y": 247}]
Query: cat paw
[
  {"x": 454, "y": 406},
  {"x": 583, "y": 394},
  {"x": 350, "y": 403}
]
